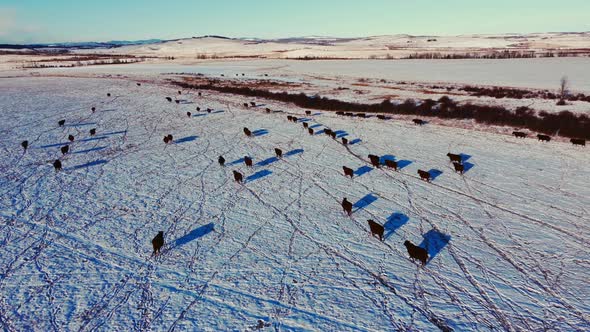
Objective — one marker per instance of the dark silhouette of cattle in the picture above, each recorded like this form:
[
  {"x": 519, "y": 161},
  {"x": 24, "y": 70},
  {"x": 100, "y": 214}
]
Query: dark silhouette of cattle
[
  {"x": 381, "y": 117},
  {"x": 339, "y": 113},
  {"x": 574, "y": 141},
  {"x": 108, "y": 94},
  {"x": 238, "y": 177},
  {"x": 279, "y": 153},
  {"x": 455, "y": 158},
  {"x": 333, "y": 135},
  {"x": 247, "y": 132},
  {"x": 170, "y": 138},
  {"x": 93, "y": 109},
  {"x": 328, "y": 131},
  {"x": 246, "y": 105},
  {"x": 253, "y": 104},
  {"x": 267, "y": 110},
  {"x": 460, "y": 168},
  {"x": 376, "y": 229},
  {"x": 92, "y": 131},
  {"x": 199, "y": 94},
  {"x": 289, "y": 118},
  {"x": 419, "y": 122},
  {"x": 179, "y": 92},
  {"x": 344, "y": 141},
  {"x": 221, "y": 161},
  {"x": 166, "y": 140},
  {"x": 189, "y": 114},
  {"x": 349, "y": 114},
  {"x": 71, "y": 138},
  {"x": 347, "y": 206},
  {"x": 61, "y": 123},
  {"x": 198, "y": 109},
  {"x": 65, "y": 149},
  {"x": 391, "y": 164},
  {"x": 310, "y": 131},
  {"x": 519, "y": 134},
  {"x": 138, "y": 84},
  {"x": 374, "y": 160},
  {"x": 177, "y": 101},
  {"x": 158, "y": 243},
  {"x": 169, "y": 99},
  {"x": 361, "y": 115},
  {"x": 209, "y": 110},
  {"x": 248, "y": 161},
  {"x": 294, "y": 119},
  {"x": 544, "y": 138},
  {"x": 307, "y": 112},
  {"x": 305, "y": 125},
  {"x": 348, "y": 171},
  {"x": 25, "y": 145},
  {"x": 424, "y": 175},
  {"x": 416, "y": 252},
  {"x": 57, "y": 165}
]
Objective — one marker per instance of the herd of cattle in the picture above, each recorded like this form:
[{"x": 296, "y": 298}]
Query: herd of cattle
[{"x": 415, "y": 252}]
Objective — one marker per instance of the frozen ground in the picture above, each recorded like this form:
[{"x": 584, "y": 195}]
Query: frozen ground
[{"x": 508, "y": 240}]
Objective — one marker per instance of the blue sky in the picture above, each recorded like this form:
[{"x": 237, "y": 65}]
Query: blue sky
[{"x": 29, "y": 21}]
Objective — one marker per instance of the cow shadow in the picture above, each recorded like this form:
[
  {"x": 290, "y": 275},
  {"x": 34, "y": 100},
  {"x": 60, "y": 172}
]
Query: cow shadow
[
  {"x": 294, "y": 152},
  {"x": 267, "y": 161},
  {"x": 185, "y": 102},
  {"x": 363, "y": 170},
  {"x": 82, "y": 124},
  {"x": 259, "y": 132},
  {"x": 186, "y": 139},
  {"x": 464, "y": 157},
  {"x": 395, "y": 222},
  {"x": 115, "y": 133},
  {"x": 89, "y": 164},
  {"x": 199, "y": 115},
  {"x": 434, "y": 241},
  {"x": 194, "y": 234},
  {"x": 53, "y": 145},
  {"x": 364, "y": 202},
  {"x": 383, "y": 158},
  {"x": 98, "y": 148},
  {"x": 355, "y": 141},
  {"x": 217, "y": 112},
  {"x": 315, "y": 126},
  {"x": 258, "y": 175},
  {"x": 109, "y": 110},
  {"x": 304, "y": 120},
  {"x": 434, "y": 173},
  {"x": 467, "y": 167},
  {"x": 316, "y": 114},
  {"x": 320, "y": 132},
  {"x": 93, "y": 139},
  {"x": 236, "y": 162},
  {"x": 340, "y": 133}
]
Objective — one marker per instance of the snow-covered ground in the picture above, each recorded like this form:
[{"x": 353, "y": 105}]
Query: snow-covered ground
[{"x": 508, "y": 240}]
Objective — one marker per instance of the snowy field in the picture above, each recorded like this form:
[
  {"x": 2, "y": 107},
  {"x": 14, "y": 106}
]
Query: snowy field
[{"x": 508, "y": 240}]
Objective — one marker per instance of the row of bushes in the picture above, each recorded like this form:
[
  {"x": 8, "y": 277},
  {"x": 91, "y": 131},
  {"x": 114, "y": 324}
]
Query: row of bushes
[
  {"x": 564, "y": 123},
  {"x": 499, "y": 92}
]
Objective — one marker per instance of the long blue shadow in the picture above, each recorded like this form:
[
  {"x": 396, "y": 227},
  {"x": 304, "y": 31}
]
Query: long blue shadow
[
  {"x": 186, "y": 139},
  {"x": 434, "y": 173},
  {"x": 81, "y": 124},
  {"x": 53, "y": 145},
  {"x": 434, "y": 241},
  {"x": 109, "y": 110},
  {"x": 363, "y": 170},
  {"x": 319, "y": 132},
  {"x": 340, "y": 133},
  {"x": 316, "y": 114},
  {"x": 194, "y": 234},
  {"x": 386, "y": 157},
  {"x": 258, "y": 175},
  {"x": 93, "y": 139},
  {"x": 401, "y": 164},
  {"x": 304, "y": 120},
  {"x": 364, "y": 202},
  {"x": 199, "y": 115},
  {"x": 467, "y": 167},
  {"x": 90, "y": 164},
  {"x": 259, "y": 132},
  {"x": 115, "y": 133},
  {"x": 355, "y": 141},
  {"x": 267, "y": 161},
  {"x": 236, "y": 162},
  {"x": 294, "y": 152},
  {"x": 218, "y": 111},
  {"x": 395, "y": 222},
  {"x": 315, "y": 126},
  {"x": 464, "y": 157},
  {"x": 98, "y": 148}
]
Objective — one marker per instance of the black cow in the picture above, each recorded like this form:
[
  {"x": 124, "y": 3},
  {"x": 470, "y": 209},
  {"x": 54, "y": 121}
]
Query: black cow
[
  {"x": 246, "y": 105},
  {"x": 279, "y": 153},
  {"x": 108, "y": 94},
  {"x": 248, "y": 161},
  {"x": 199, "y": 94},
  {"x": 339, "y": 113},
  {"x": 361, "y": 115},
  {"x": 310, "y": 131},
  {"x": 166, "y": 140},
  {"x": 198, "y": 109},
  {"x": 381, "y": 117},
  {"x": 221, "y": 160},
  {"x": 344, "y": 141},
  {"x": 391, "y": 164},
  {"x": 424, "y": 175},
  {"x": 189, "y": 114},
  {"x": 459, "y": 167},
  {"x": 376, "y": 229},
  {"x": 307, "y": 112},
  {"x": 209, "y": 110},
  {"x": 289, "y": 118},
  {"x": 455, "y": 158},
  {"x": 294, "y": 119},
  {"x": 349, "y": 114},
  {"x": 170, "y": 138},
  {"x": 253, "y": 104},
  {"x": 328, "y": 131},
  {"x": 92, "y": 131},
  {"x": 57, "y": 165},
  {"x": 544, "y": 138},
  {"x": 247, "y": 132},
  {"x": 575, "y": 141},
  {"x": 65, "y": 149},
  {"x": 71, "y": 138},
  {"x": 169, "y": 99},
  {"x": 179, "y": 92},
  {"x": 419, "y": 122},
  {"x": 267, "y": 110},
  {"x": 61, "y": 123},
  {"x": 138, "y": 84},
  {"x": 238, "y": 177},
  {"x": 177, "y": 101},
  {"x": 333, "y": 134},
  {"x": 25, "y": 145},
  {"x": 158, "y": 243},
  {"x": 348, "y": 171},
  {"x": 93, "y": 109},
  {"x": 519, "y": 134},
  {"x": 374, "y": 160},
  {"x": 416, "y": 252},
  {"x": 347, "y": 206},
  {"x": 305, "y": 125}
]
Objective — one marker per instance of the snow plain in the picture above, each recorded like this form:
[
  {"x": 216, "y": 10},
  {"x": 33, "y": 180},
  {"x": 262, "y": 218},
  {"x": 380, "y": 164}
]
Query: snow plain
[{"x": 508, "y": 240}]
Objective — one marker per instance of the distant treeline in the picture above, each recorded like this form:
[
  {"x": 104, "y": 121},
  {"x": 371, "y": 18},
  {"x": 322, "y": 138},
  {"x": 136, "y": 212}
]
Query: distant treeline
[
  {"x": 36, "y": 65},
  {"x": 496, "y": 55},
  {"x": 500, "y": 92},
  {"x": 565, "y": 123}
]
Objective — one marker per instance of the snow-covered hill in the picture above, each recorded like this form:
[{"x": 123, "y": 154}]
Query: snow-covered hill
[{"x": 508, "y": 240}]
